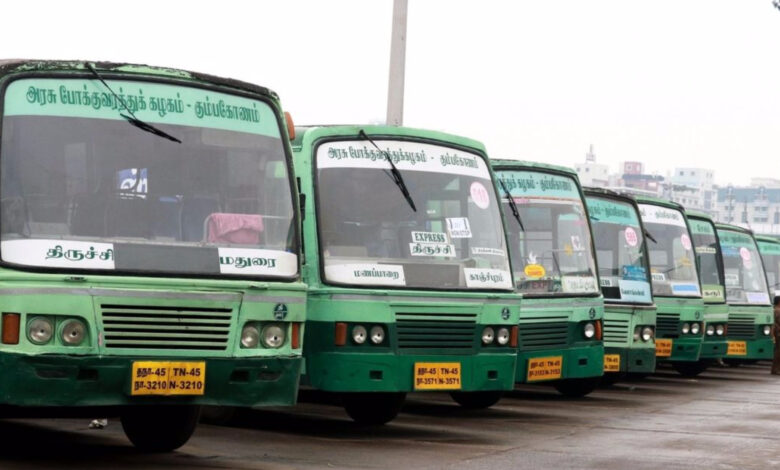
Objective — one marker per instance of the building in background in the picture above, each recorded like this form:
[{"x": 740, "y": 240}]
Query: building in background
[
  {"x": 592, "y": 173},
  {"x": 756, "y": 207},
  {"x": 694, "y": 188}
]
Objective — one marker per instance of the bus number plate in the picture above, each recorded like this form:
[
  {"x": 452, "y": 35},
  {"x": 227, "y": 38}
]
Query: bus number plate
[
  {"x": 437, "y": 376},
  {"x": 168, "y": 378},
  {"x": 663, "y": 347},
  {"x": 611, "y": 362},
  {"x": 544, "y": 368},
  {"x": 737, "y": 348}
]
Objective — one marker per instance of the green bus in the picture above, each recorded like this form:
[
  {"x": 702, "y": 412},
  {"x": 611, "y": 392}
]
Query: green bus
[
  {"x": 675, "y": 280},
  {"x": 747, "y": 293},
  {"x": 709, "y": 261},
  {"x": 148, "y": 246},
  {"x": 624, "y": 275},
  {"x": 553, "y": 263},
  {"x": 769, "y": 247},
  {"x": 406, "y": 262}
]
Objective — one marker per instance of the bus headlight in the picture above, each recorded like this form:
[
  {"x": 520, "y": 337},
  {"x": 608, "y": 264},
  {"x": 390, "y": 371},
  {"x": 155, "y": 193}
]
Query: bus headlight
[
  {"x": 377, "y": 334},
  {"x": 686, "y": 328},
  {"x": 359, "y": 334},
  {"x": 502, "y": 337},
  {"x": 589, "y": 330},
  {"x": 273, "y": 336},
  {"x": 647, "y": 333},
  {"x": 488, "y": 335},
  {"x": 720, "y": 330},
  {"x": 695, "y": 328},
  {"x": 40, "y": 330},
  {"x": 767, "y": 330},
  {"x": 710, "y": 330},
  {"x": 250, "y": 336},
  {"x": 73, "y": 332}
]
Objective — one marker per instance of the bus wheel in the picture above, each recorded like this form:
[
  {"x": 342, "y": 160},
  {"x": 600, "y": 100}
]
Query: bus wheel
[
  {"x": 373, "y": 408},
  {"x": 610, "y": 379},
  {"x": 217, "y": 415},
  {"x": 733, "y": 362},
  {"x": 577, "y": 388},
  {"x": 690, "y": 369},
  {"x": 160, "y": 428},
  {"x": 476, "y": 400}
]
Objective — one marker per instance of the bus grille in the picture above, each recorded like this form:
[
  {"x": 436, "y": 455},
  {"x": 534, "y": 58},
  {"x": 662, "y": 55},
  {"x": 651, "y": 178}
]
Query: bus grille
[
  {"x": 436, "y": 330},
  {"x": 544, "y": 332},
  {"x": 741, "y": 326},
  {"x": 667, "y": 325},
  {"x": 150, "y": 327},
  {"x": 616, "y": 330}
]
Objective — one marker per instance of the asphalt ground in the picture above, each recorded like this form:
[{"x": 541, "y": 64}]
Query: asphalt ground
[{"x": 725, "y": 418}]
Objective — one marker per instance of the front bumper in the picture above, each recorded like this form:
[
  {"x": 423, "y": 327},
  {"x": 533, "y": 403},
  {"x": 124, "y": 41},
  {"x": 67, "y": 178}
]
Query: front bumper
[
  {"x": 89, "y": 381},
  {"x": 578, "y": 362},
  {"x": 634, "y": 360},
  {"x": 756, "y": 349},
  {"x": 714, "y": 348},
  {"x": 683, "y": 350}
]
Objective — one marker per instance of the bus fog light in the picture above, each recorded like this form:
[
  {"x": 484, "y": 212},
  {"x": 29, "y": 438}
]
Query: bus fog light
[
  {"x": 40, "y": 330},
  {"x": 359, "y": 334},
  {"x": 695, "y": 328},
  {"x": 710, "y": 330},
  {"x": 686, "y": 328},
  {"x": 273, "y": 336},
  {"x": 719, "y": 330},
  {"x": 250, "y": 336},
  {"x": 589, "y": 330},
  {"x": 502, "y": 337},
  {"x": 377, "y": 334},
  {"x": 647, "y": 333},
  {"x": 73, "y": 332},
  {"x": 767, "y": 330},
  {"x": 488, "y": 335}
]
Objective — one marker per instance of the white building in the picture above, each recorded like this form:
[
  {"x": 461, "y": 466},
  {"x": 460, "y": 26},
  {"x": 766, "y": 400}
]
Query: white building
[
  {"x": 592, "y": 173},
  {"x": 694, "y": 188}
]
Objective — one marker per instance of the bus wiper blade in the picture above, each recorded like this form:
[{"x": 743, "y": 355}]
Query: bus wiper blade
[
  {"x": 132, "y": 119},
  {"x": 512, "y": 204},
  {"x": 647, "y": 234},
  {"x": 394, "y": 174}
]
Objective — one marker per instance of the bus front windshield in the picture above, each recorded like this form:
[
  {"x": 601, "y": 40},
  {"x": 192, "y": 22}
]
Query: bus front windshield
[
  {"x": 370, "y": 234},
  {"x": 84, "y": 188},
  {"x": 709, "y": 257},
  {"x": 550, "y": 244},
  {"x": 620, "y": 251},
  {"x": 744, "y": 271},
  {"x": 770, "y": 254},
  {"x": 672, "y": 262}
]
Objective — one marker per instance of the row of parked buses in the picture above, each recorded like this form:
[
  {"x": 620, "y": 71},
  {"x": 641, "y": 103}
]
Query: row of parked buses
[{"x": 169, "y": 240}]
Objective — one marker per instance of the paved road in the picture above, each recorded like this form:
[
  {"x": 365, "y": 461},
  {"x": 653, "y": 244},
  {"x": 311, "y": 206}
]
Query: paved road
[{"x": 726, "y": 418}]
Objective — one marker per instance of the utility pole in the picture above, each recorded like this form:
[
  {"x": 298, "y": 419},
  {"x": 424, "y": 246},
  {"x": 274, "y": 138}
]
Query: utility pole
[{"x": 395, "y": 88}]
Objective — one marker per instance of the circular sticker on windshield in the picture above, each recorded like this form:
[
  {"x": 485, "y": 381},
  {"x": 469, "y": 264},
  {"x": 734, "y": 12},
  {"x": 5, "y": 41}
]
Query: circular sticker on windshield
[
  {"x": 480, "y": 195},
  {"x": 744, "y": 253},
  {"x": 686, "y": 241},
  {"x": 631, "y": 237}
]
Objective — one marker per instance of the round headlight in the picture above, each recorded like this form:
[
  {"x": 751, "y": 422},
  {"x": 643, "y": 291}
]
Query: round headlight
[
  {"x": 377, "y": 334},
  {"x": 359, "y": 334},
  {"x": 710, "y": 330},
  {"x": 637, "y": 333},
  {"x": 647, "y": 333},
  {"x": 273, "y": 336},
  {"x": 589, "y": 330},
  {"x": 686, "y": 328},
  {"x": 695, "y": 328},
  {"x": 719, "y": 330},
  {"x": 767, "y": 330},
  {"x": 502, "y": 337},
  {"x": 250, "y": 336},
  {"x": 488, "y": 335},
  {"x": 39, "y": 330},
  {"x": 73, "y": 332}
]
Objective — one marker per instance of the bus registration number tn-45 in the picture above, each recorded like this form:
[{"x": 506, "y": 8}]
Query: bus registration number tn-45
[
  {"x": 437, "y": 376},
  {"x": 168, "y": 378}
]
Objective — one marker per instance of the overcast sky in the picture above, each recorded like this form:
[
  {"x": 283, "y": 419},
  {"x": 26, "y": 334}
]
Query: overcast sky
[{"x": 668, "y": 82}]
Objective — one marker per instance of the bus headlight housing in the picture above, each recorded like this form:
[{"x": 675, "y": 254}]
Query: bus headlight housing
[
  {"x": 359, "y": 334},
  {"x": 647, "y": 333},
  {"x": 767, "y": 330},
  {"x": 720, "y": 330},
  {"x": 73, "y": 332},
  {"x": 377, "y": 334},
  {"x": 502, "y": 337},
  {"x": 695, "y": 328},
  {"x": 250, "y": 336},
  {"x": 686, "y": 328},
  {"x": 40, "y": 330},
  {"x": 272, "y": 336},
  {"x": 710, "y": 330},
  {"x": 589, "y": 330},
  {"x": 488, "y": 335}
]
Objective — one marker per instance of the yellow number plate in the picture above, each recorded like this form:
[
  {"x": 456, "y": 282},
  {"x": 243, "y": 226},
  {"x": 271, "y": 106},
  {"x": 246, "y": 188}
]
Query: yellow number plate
[
  {"x": 737, "y": 348},
  {"x": 168, "y": 378},
  {"x": 437, "y": 376},
  {"x": 611, "y": 362},
  {"x": 544, "y": 368},
  {"x": 663, "y": 347}
]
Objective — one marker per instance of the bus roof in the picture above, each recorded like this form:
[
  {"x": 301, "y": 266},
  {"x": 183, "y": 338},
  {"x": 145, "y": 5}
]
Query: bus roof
[
  {"x": 12, "y": 66},
  {"x": 308, "y": 134},
  {"x": 733, "y": 228},
  {"x": 699, "y": 215},
  {"x": 657, "y": 201},
  {"x": 767, "y": 238},
  {"x": 507, "y": 162}
]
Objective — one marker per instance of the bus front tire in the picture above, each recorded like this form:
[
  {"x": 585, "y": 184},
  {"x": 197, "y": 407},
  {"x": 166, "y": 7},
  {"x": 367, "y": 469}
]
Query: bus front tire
[
  {"x": 690, "y": 369},
  {"x": 476, "y": 400},
  {"x": 217, "y": 415},
  {"x": 160, "y": 428},
  {"x": 577, "y": 388},
  {"x": 373, "y": 408}
]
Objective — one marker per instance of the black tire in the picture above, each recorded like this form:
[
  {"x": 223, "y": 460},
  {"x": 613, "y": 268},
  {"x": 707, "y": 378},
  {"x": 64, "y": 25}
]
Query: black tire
[
  {"x": 577, "y": 388},
  {"x": 476, "y": 400},
  {"x": 690, "y": 369},
  {"x": 733, "y": 362},
  {"x": 373, "y": 408},
  {"x": 608, "y": 380},
  {"x": 160, "y": 428},
  {"x": 217, "y": 415}
]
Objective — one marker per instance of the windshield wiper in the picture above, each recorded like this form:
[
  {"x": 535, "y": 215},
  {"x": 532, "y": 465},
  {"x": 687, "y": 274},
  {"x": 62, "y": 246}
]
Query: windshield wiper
[
  {"x": 394, "y": 174},
  {"x": 144, "y": 126},
  {"x": 647, "y": 234},
  {"x": 512, "y": 204}
]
